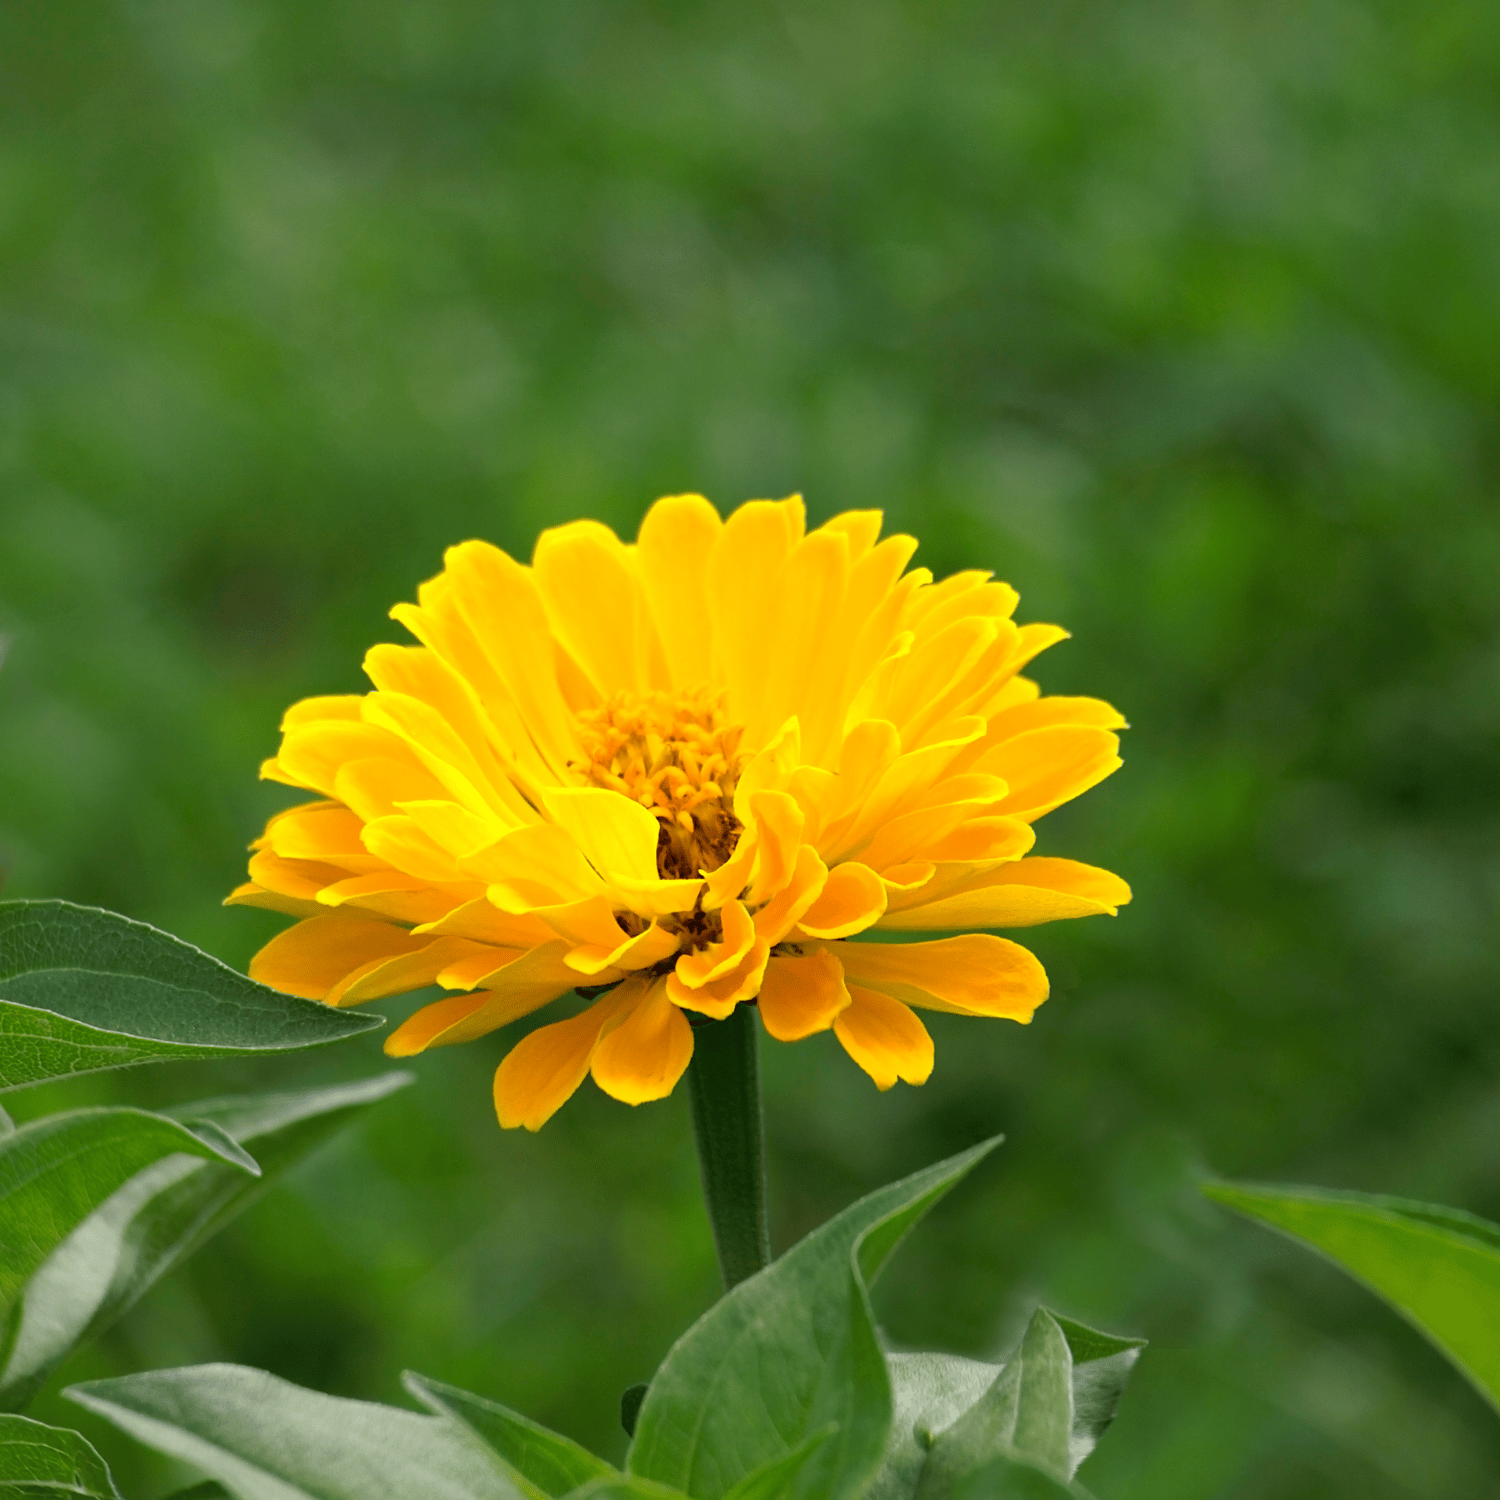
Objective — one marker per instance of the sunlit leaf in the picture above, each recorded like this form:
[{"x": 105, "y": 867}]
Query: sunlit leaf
[
  {"x": 542, "y": 1461},
  {"x": 266, "y": 1439},
  {"x": 161, "y": 1215},
  {"x": 57, "y": 1171},
  {"x": 38, "y": 1462},
  {"x": 1438, "y": 1267},
  {"x": 83, "y": 990},
  {"x": 785, "y": 1354}
]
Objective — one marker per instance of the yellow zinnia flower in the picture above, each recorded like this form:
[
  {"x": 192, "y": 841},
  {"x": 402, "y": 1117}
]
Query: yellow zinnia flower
[{"x": 682, "y": 776}]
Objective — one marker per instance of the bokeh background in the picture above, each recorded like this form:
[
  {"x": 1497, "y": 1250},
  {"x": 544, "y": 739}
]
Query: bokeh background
[{"x": 1182, "y": 316}]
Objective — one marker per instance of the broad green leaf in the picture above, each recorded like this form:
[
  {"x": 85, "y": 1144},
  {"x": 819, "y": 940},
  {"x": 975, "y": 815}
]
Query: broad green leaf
[
  {"x": 1102, "y": 1363},
  {"x": 265, "y": 1439},
  {"x": 210, "y": 1489},
  {"x": 56, "y": 1171},
  {"x": 83, "y": 990},
  {"x": 932, "y": 1391},
  {"x": 624, "y": 1487},
  {"x": 770, "y": 1481},
  {"x": 160, "y": 1216},
  {"x": 786, "y": 1353},
  {"x": 631, "y": 1400},
  {"x": 1015, "y": 1479},
  {"x": 38, "y": 1462},
  {"x": 544, "y": 1462},
  {"x": 1026, "y": 1413},
  {"x": 929, "y": 1392},
  {"x": 1438, "y": 1267}
]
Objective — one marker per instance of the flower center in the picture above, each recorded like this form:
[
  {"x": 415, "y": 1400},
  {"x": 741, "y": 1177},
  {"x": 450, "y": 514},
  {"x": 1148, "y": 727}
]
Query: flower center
[{"x": 675, "y": 754}]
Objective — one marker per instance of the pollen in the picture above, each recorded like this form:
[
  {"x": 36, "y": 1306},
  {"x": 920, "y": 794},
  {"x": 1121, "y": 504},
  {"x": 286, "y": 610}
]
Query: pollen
[{"x": 677, "y": 755}]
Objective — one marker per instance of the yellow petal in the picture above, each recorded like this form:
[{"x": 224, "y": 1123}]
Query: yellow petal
[
  {"x": 537, "y": 866},
  {"x": 476, "y": 965},
  {"x": 312, "y": 753},
  {"x": 1022, "y": 894},
  {"x": 525, "y": 984},
  {"x": 1041, "y": 713},
  {"x": 861, "y": 527},
  {"x": 973, "y": 975},
  {"x": 542, "y": 1071},
  {"x": 800, "y": 996},
  {"x": 744, "y": 591},
  {"x": 405, "y": 673},
  {"x": 643, "y": 951},
  {"x": 422, "y": 1028},
  {"x": 302, "y": 878},
  {"x": 251, "y": 894},
  {"x": 597, "y": 606},
  {"x": 885, "y": 1038},
  {"x": 785, "y": 909},
  {"x": 500, "y": 603},
  {"x": 398, "y": 841},
  {"x": 719, "y": 996},
  {"x": 312, "y": 957},
  {"x": 852, "y": 898},
  {"x": 481, "y": 920},
  {"x": 311, "y": 710},
  {"x": 400, "y": 974},
  {"x": 672, "y": 549},
  {"x": 616, "y": 834},
  {"x": 373, "y": 892},
  {"x": 330, "y": 834},
  {"x": 1047, "y": 767},
  {"x": 718, "y": 959},
  {"x": 375, "y": 785},
  {"x": 778, "y": 823},
  {"x": 646, "y": 1053}
]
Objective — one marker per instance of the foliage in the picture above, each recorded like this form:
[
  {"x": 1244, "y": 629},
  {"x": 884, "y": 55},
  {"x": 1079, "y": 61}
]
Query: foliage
[
  {"x": 1438, "y": 1267},
  {"x": 1182, "y": 317},
  {"x": 781, "y": 1390},
  {"x": 97, "y": 1204}
]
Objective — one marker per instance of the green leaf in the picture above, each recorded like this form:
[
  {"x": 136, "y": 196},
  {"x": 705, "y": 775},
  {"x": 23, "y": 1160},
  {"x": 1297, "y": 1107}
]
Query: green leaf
[
  {"x": 56, "y": 1171},
  {"x": 38, "y": 1462},
  {"x": 266, "y": 1439},
  {"x": 770, "y": 1481},
  {"x": 1026, "y": 1413},
  {"x": 1438, "y": 1267},
  {"x": 631, "y": 1400},
  {"x": 1015, "y": 1479},
  {"x": 624, "y": 1487},
  {"x": 210, "y": 1489},
  {"x": 786, "y": 1353},
  {"x": 932, "y": 1391},
  {"x": 544, "y": 1462},
  {"x": 1102, "y": 1363},
  {"x": 83, "y": 990},
  {"x": 929, "y": 1392},
  {"x": 160, "y": 1216}
]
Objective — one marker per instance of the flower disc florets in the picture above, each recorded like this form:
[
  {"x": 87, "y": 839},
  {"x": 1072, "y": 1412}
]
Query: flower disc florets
[
  {"x": 680, "y": 776},
  {"x": 675, "y": 755}
]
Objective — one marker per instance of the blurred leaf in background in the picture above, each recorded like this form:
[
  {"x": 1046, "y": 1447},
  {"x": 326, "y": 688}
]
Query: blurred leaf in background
[{"x": 1185, "y": 318}]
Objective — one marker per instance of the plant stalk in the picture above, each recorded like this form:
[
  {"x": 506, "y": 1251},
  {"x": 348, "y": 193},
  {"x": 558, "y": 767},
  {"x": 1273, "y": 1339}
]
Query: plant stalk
[{"x": 728, "y": 1125}]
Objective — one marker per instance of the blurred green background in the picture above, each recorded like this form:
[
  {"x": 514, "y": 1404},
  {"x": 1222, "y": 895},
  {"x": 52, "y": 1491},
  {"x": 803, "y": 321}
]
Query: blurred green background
[{"x": 1184, "y": 317}]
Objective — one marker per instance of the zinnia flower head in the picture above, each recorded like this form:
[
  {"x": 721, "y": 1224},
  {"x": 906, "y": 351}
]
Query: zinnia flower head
[{"x": 678, "y": 777}]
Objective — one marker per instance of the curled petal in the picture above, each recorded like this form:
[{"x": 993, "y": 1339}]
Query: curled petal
[
  {"x": 801, "y": 996},
  {"x": 885, "y": 1038},
  {"x": 643, "y": 1056},
  {"x": 542, "y": 1071},
  {"x": 977, "y": 974},
  {"x": 852, "y": 899}
]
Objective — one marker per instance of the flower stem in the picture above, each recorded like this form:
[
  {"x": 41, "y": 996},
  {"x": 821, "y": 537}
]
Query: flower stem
[{"x": 724, "y": 1084}]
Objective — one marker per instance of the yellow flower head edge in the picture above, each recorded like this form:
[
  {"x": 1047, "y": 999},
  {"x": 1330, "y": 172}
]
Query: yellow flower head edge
[{"x": 679, "y": 777}]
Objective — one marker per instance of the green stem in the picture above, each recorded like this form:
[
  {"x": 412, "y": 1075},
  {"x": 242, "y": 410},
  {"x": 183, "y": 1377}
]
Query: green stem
[{"x": 724, "y": 1083}]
